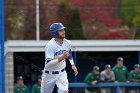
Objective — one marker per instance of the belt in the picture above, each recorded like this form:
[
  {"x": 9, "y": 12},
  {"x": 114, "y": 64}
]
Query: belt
[{"x": 54, "y": 72}]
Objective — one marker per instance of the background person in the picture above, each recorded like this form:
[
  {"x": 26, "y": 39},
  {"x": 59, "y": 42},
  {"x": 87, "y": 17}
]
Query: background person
[
  {"x": 36, "y": 87},
  {"x": 134, "y": 76},
  {"x": 107, "y": 75},
  {"x": 121, "y": 72},
  {"x": 20, "y": 87},
  {"x": 92, "y": 78}
]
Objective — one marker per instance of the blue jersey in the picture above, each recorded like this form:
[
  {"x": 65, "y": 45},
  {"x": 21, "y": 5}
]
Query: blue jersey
[{"x": 53, "y": 50}]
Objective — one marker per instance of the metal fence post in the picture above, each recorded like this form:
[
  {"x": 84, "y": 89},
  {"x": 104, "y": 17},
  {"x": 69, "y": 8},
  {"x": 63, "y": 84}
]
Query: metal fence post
[
  {"x": 75, "y": 60},
  {"x": 117, "y": 89},
  {"x": 2, "y": 79},
  {"x": 138, "y": 57}
]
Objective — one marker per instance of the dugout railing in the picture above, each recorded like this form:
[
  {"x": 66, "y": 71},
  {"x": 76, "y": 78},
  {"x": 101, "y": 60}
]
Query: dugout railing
[{"x": 117, "y": 86}]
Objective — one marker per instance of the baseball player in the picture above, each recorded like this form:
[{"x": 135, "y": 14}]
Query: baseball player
[
  {"x": 134, "y": 76},
  {"x": 37, "y": 86},
  {"x": 20, "y": 87},
  {"x": 121, "y": 72},
  {"x": 107, "y": 75},
  {"x": 56, "y": 51},
  {"x": 92, "y": 78}
]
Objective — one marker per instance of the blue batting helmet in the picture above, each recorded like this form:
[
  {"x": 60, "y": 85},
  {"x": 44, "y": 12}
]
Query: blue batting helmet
[{"x": 55, "y": 27}]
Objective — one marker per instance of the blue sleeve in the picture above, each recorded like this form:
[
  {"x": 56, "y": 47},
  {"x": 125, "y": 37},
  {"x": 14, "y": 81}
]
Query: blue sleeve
[{"x": 70, "y": 56}]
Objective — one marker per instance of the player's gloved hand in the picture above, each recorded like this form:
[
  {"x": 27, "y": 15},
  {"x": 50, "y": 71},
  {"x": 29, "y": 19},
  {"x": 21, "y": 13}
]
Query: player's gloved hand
[{"x": 75, "y": 70}]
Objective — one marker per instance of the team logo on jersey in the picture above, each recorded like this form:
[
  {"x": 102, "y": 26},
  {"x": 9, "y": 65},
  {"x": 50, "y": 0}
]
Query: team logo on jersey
[
  {"x": 23, "y": 89},
  {"x": 59, "y": 52}
]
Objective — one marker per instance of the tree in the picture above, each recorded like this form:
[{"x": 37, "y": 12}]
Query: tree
[
  {"x": 75, "y": 30},
  {"x": 70, "y": 16},
  {"x": 129, "y": 12}
]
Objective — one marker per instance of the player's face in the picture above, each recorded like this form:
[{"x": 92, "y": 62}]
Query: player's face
[
  {"x": 96, "y": 72},
  {"x": 108, "y": 70},
  {"x": 137, "y": 69},
  {"x": 120, "y": 63},
  {"x": 61, "y": 34},
  {"x": 39, "y": 81},
  {"x": 20, "y": 82}
]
